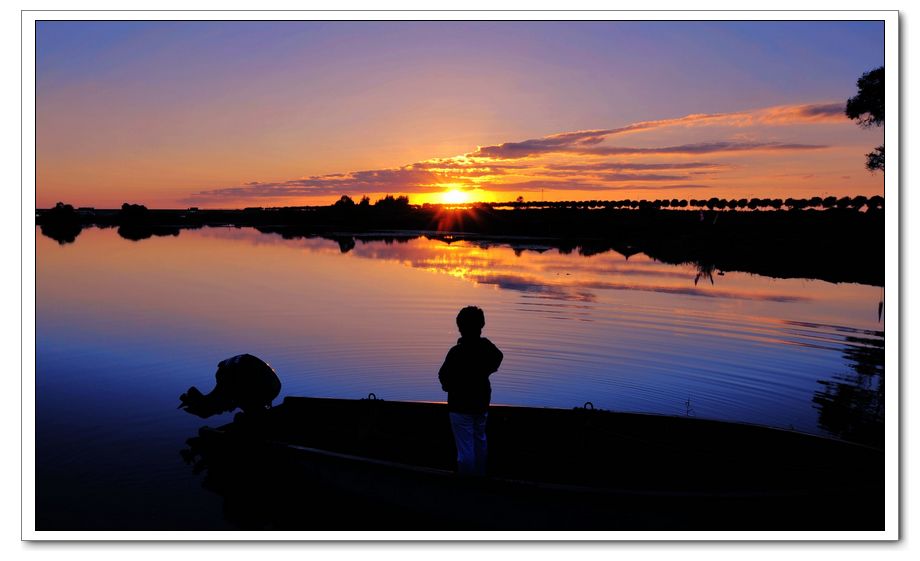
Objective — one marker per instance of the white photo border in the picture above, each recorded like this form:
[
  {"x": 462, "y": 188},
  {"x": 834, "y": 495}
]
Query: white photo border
[{"x": 891, "y": 290}]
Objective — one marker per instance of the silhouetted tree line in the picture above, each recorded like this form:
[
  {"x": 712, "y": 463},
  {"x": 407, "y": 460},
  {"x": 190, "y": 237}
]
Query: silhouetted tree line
[
  {"x": 819, "y": 203},
  {"x": 859, "y": 203},
  {"x": 842, "y": 240},
  {"x": 837, "y": 243},
  {"x": 135, "y": 222}
]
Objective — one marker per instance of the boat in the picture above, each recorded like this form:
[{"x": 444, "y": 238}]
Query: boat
[{"x": 371, "y": 464}]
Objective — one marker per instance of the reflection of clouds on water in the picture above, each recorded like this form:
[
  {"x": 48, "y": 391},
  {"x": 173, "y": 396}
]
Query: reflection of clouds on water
[
  {"x": 645, "y": 271},
  {"x": 691, "y": 291},
  {"x": 532, "y": 268},
  {"x": 525, "y": 284},
  {"x": 547, "y": 274}
]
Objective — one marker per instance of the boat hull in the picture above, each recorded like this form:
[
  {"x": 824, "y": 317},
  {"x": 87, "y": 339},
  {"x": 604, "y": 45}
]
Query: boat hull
[{"x": 597, "y": 471}]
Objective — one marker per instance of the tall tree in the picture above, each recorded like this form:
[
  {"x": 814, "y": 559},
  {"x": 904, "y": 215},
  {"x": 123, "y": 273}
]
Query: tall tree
[{"x": 867, "y": 107}]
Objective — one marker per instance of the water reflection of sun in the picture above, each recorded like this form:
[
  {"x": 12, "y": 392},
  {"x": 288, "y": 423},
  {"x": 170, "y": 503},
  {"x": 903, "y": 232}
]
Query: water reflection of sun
[{"x": 455, "y": 197}]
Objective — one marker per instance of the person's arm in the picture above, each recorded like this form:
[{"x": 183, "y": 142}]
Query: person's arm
[
  {"x": 444, "y": 374},
  {"x": 495, "y": 357}
]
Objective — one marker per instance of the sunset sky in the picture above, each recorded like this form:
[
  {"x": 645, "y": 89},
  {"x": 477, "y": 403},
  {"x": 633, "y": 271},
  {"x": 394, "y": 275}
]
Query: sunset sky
[{"x": 233, "y": 114}]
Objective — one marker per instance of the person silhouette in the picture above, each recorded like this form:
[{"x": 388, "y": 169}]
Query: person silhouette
[{"x": 465, "y": 377}]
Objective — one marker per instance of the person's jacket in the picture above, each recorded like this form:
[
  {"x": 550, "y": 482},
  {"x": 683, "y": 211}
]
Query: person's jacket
[{"x": 465, "y": 374}]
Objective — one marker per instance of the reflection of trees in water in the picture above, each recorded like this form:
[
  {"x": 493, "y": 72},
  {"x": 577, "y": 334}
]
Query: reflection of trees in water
[
  {"x": 346, "y": 243},
  {"x": 138, "y": 232},
  {"x": 704, "y": 271},
  {"x": 62, "y": 224},
  {"x": 851, "y": 405},
  {"x": 63, "y": 233}
]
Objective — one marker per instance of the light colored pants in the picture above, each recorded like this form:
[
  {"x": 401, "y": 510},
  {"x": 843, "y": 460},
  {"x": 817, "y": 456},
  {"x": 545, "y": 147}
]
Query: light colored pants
[{"x": 470, "y": 438}]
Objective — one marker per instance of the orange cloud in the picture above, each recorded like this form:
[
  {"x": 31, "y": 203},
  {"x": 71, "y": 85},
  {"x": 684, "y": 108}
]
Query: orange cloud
[{"x": 579, "y": 141}]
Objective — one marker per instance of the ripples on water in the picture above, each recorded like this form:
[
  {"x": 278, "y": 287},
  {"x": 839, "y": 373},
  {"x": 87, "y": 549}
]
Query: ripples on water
[{"x": 123, "y": 327}]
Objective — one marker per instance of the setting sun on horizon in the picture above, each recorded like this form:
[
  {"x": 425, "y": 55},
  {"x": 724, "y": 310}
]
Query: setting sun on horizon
[{"x": 455, "y": 196}]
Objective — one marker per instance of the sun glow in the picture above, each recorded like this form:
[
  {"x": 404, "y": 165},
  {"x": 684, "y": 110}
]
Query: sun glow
[{"x": 455, "y": 197}]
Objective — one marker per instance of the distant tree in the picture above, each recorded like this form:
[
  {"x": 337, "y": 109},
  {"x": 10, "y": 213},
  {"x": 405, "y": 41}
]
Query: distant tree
[
  {"x": 365, "y": 201},
  {"x": 63, "y": 207},
  {"x": 133, "y": 212},
  {"x": 519, "y": 199},
  {"x": 393, "y": 202},
  {"x": 62, "y": 212},
  {"x": 344, "y": 202},
  {"x": 867, "y": 108},
  {"x": 876, "y": 159}
]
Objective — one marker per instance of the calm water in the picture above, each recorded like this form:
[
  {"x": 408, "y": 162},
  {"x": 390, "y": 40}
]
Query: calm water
[{"x": 124, "y": 327}]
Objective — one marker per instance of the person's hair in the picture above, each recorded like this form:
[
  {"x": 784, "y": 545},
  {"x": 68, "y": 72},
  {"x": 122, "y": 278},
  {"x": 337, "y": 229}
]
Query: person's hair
[{"x": 471, "y": 319}]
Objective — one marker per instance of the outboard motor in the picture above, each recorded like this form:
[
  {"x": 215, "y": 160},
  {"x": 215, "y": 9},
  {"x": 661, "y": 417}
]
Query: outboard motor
[{"x": 243, "y": 381}]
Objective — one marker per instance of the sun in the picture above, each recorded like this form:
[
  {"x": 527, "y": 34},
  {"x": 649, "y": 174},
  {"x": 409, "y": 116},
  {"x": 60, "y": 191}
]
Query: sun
[{"x": 455, "y": 197}]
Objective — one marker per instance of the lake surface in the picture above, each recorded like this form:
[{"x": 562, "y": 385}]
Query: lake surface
[{"x": 123, "y": 327}]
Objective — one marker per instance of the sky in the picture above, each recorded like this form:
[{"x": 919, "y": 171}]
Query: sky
[{"x": 236, "y": 114}]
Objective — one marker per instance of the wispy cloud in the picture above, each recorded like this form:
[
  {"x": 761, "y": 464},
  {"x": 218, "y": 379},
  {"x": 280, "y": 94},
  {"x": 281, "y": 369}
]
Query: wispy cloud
[
  {"x": 811, "y": 113},
  {"x": 703, "y": 148},
  {"x": 619, "y": 166},
  {"x": 515, "y": 150},
  {"x": 582, "y": 141}
]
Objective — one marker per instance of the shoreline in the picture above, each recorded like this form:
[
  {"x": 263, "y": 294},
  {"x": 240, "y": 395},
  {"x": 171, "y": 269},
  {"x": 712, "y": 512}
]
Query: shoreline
[{"x": 834, "y": 245}]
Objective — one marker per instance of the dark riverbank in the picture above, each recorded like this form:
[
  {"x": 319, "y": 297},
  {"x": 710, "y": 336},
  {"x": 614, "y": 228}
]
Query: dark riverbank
[{"x": 835, "y": 245}]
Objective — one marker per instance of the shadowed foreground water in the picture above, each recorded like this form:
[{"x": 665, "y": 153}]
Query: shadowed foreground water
[{"x": 124, "y": 326}]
